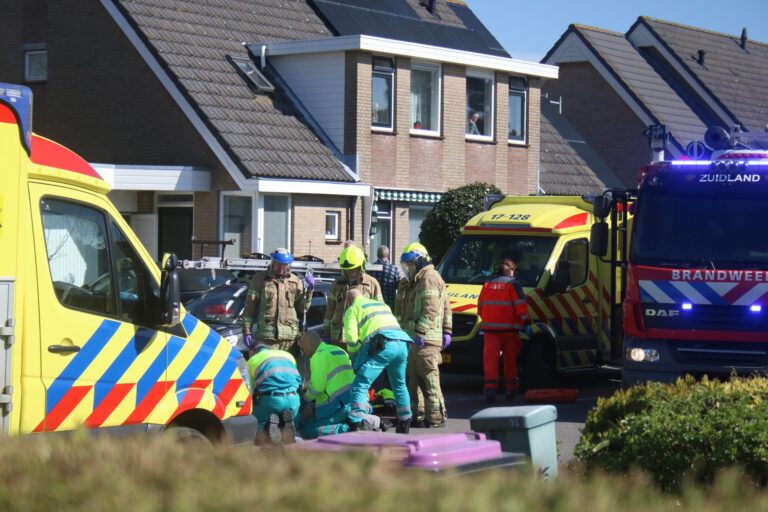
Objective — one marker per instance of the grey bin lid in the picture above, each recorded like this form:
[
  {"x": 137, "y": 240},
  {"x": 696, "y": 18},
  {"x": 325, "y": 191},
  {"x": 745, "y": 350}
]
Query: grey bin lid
[{"x": 513, "y": 418}]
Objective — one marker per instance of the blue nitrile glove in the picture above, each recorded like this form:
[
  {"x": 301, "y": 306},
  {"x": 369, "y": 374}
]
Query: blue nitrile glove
[
  {"x": 325, "y": 339},
  {"x": 309, "y": 282},
  {"x": 419, "y": 341},
  {"x": 528, "y": 330},
  {"x": 248, "y": 340},
  {"x": 446, "y": 340}
]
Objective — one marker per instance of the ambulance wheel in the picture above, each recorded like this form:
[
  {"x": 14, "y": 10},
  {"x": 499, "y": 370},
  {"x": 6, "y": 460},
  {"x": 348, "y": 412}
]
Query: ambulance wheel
[
  {"x": 187, "y": 435},
  {"x": 537, "y": 370}
]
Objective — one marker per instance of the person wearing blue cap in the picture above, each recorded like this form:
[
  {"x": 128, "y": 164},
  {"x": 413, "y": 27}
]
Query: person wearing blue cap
[{"x": 276, "y": 298}]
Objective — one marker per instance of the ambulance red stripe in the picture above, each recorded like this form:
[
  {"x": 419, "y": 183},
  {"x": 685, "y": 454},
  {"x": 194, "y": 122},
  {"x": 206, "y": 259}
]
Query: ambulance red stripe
[
  {"x": 50, "y": 154},
  {"x": 63, "y": 409},
  {"x": 245, "y": 410},
  {"x": 194, "y": 394},
  {"x": 108, "y": 404},
  {"x": 6, "y": 115},
  {"x": 226, "y": 395},
  {"x": 158, "y": 391}
]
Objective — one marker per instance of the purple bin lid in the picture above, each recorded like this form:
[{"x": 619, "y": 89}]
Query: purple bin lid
[{"x": 438, "y": 451}]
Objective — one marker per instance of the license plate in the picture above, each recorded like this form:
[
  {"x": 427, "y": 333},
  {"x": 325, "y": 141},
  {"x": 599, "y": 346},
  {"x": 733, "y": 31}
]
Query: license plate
[{"x": 446, "y": 358}]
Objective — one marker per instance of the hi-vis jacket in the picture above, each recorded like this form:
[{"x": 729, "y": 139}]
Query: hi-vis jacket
[
  {"x": 273, "y": 370},
  {"x": 330, "y": 380},
  {"x": 502, "y": 305},
  {"x": 422, "y": 306},
  {"x": 337, "y": 297},
  {"x": 273, "y": 304},
  {"x": 366, "y": 318}
]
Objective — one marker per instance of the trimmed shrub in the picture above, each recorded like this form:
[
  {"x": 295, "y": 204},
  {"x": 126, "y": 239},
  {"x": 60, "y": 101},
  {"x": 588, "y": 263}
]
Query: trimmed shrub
[
  {"x": 87, "y": 474},
  {"x": 683, "y": 431},
  {"x": 443, "y": 223}
]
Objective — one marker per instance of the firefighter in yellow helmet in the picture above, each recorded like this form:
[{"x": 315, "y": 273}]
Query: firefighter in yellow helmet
[
  {"x": 352, "y": 264},
  {"x": 424, "y": 312}
]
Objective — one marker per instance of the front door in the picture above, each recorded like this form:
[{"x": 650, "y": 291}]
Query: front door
[
  {"x": 176, "y": 231},
  {"x": 98, "y": 354}
]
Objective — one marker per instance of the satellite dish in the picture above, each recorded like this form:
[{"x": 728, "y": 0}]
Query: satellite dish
[{"x": 717, "y": 138}]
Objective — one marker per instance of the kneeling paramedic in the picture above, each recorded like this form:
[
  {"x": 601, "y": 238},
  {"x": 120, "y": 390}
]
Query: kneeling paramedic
[
  {"x": 275, "y": 381},
  {"x": 329, "y": 395},
  {"x": 370, "y": 328}
]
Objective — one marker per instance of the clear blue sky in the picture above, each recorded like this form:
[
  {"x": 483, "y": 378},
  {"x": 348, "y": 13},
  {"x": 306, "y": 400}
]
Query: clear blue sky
[{"x": 527, "y": 29}]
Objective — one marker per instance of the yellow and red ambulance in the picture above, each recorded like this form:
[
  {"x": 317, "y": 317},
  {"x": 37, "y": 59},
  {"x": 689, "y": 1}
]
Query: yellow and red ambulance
[
  {"x": 573, "y": 297},
  {"x": 91, "y": 331}
]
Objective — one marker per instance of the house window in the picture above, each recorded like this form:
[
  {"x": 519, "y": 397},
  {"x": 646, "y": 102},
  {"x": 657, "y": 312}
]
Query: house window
[
  {"x": 425, "y": 98},
  {"x": 276, "y": 221},
  {"x": 237, "y": 224},
  {"x": 416, "y": 215},
  {"x": 382, "y": 93},
  {"x": 35, "y": 65},
  {"x": 383, "y": 224},
  {"x": 479, "y": 105},
  {"x": 332, "y": 226},
  {"x": 518, "y": 90}
]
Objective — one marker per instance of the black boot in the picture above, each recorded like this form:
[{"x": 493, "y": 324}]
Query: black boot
[
  {"x": 385, "y": 425},
  {"x": 403, "y": 426},
  {"x": 288, "y": 427},
  {"x": 355, "y": 427}
]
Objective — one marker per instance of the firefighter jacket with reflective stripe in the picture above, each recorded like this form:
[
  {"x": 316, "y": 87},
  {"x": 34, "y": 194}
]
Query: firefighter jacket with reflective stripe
[
  {"x": 330, "y": 380},
  {"x": 422, "y": 306},
  {"x": 273, "y": 305},
  {"x": 337, "y": 298},
  {"x": 273, "y": 370},
  {"x": 502, "y": 305},
  {"x": 366, "y": 318}
]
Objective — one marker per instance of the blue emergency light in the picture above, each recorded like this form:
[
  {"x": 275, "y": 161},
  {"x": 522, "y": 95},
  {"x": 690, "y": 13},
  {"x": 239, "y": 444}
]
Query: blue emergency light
[
  {"x": 19, "y": 99},
  {"x": 687, "y": 306},
  {"x": 755, "y": 308}
]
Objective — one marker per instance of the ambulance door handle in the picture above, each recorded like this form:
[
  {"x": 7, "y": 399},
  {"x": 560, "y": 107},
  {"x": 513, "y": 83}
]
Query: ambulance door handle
[{"x": 63, "y": 349}]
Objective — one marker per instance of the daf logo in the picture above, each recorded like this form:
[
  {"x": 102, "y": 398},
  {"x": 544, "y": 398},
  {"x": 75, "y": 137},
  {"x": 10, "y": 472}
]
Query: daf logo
[{"x": 662, "y": 312}]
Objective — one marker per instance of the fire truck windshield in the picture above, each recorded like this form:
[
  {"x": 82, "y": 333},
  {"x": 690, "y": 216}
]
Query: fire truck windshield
[
  {"x": 473, "y": 258},
  {"x": 701, "y": 228}
]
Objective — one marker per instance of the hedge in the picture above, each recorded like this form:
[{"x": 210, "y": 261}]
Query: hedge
[
  {"x": 679, "y": 432},
  {"x": 154, "y": 474}
]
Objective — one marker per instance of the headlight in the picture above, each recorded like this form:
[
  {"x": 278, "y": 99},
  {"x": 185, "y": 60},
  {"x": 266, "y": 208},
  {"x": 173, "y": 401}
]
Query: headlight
[
  {"x": 639, "y": 355},
  {"x": 232, "y": 339}
]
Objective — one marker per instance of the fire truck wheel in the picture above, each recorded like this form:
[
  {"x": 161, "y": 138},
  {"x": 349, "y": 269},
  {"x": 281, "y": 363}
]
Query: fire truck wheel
[{"x": 536, "y": 368}]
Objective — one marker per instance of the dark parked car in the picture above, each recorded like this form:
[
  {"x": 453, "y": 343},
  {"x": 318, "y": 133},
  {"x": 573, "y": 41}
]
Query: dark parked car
[
  {"x": 195, "y": 281},
  {"x": 222, "y": 307}
]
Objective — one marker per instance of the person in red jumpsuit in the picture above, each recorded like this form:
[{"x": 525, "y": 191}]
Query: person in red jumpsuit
[{"x": 504, "y": 312}]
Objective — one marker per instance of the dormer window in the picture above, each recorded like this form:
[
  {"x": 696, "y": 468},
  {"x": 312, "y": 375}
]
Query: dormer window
[{"x": 255, "y": 78}]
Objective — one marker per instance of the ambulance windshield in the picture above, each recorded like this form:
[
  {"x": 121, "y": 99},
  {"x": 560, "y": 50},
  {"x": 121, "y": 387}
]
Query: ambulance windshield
[
  {"x": 714, "y": 228},
  {"x": 473, "y": 259}
]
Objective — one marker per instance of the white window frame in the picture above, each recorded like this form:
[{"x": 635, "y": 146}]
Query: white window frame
[
  {"x": 336, "y": 214},
  {"x": 437, "y": 68},
  {"x": 260, "y": 221},
  {"x": 489, "y": 75},
  {"x": 524, "y": 140},
  {"x": 254, "y": 215},
  {"x": 29, "y": 53},
  {"x": 393, "y": 76}
]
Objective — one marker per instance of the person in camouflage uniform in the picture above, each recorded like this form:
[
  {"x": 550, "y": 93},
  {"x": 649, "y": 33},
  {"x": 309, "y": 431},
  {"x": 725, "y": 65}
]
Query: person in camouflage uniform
[
  {"x": 423, "y": 310},
  {"x": 353, "y": 276},
  {"x": 276, "y": 298}
]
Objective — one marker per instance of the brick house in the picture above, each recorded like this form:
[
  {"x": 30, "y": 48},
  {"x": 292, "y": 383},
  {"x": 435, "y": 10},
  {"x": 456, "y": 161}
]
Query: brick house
[
  {"x": 297, "y": 123},
  {"x": 613, "y": 86}
]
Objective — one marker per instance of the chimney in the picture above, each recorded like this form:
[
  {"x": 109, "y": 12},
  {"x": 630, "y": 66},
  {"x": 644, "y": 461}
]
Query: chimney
[
  {"x": 702, "y": 54},
  {"x": 744, "y": 38}
]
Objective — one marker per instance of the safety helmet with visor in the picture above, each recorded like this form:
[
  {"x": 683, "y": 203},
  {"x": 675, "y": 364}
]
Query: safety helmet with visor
[
  {"x": 281, "y": 261},
  {"x": 413, "y": 259}
]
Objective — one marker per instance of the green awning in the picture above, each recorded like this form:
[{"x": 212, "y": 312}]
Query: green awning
[{"x": 408, "y": 196}]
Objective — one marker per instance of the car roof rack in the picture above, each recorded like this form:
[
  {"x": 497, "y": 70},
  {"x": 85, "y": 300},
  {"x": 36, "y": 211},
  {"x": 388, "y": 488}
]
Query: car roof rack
[{"x": 252, "y": 264}]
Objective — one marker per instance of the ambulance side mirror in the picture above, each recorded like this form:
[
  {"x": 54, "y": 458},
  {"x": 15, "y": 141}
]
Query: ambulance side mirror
[
  {"x": 170, "y": 292},
  {"x": 601, "y": 207},
  {"x": 598, "y": 239}
]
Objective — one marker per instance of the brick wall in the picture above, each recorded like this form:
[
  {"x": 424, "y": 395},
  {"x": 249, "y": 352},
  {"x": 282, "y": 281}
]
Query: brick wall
[
  {"x": 481, "y": 162},
  {"x": 308, "y": 225},
  {"x": 206, "y": 213},
  {"x": 517, "y": 172},
  {"x": 501, "y": 132},
  {"x": 454, "y": 126},
  {"x": 534, "y": 134},
  {"x": 605, "y": 121},
  {"x": 385, "y": 154},
  {"x": 426, "y": 163},
  {"x": 126, "y": 116},
  {"x": 403, "y": 120}
]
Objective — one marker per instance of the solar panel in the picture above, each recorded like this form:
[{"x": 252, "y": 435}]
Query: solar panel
[{"x": 395, "y": 19}]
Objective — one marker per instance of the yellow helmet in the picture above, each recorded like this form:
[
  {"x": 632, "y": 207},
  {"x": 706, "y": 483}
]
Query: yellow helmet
[
  {"x": 351, "y": 258},
  {"x": 413, "y": 251}
]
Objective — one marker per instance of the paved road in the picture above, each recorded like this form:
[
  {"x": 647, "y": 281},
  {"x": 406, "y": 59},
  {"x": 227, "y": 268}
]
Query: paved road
[{"x": 464, "y": 398}]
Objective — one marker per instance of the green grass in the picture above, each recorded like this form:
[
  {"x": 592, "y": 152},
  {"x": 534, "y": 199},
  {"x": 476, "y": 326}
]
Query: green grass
[{"x": 155, "y": 474}]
